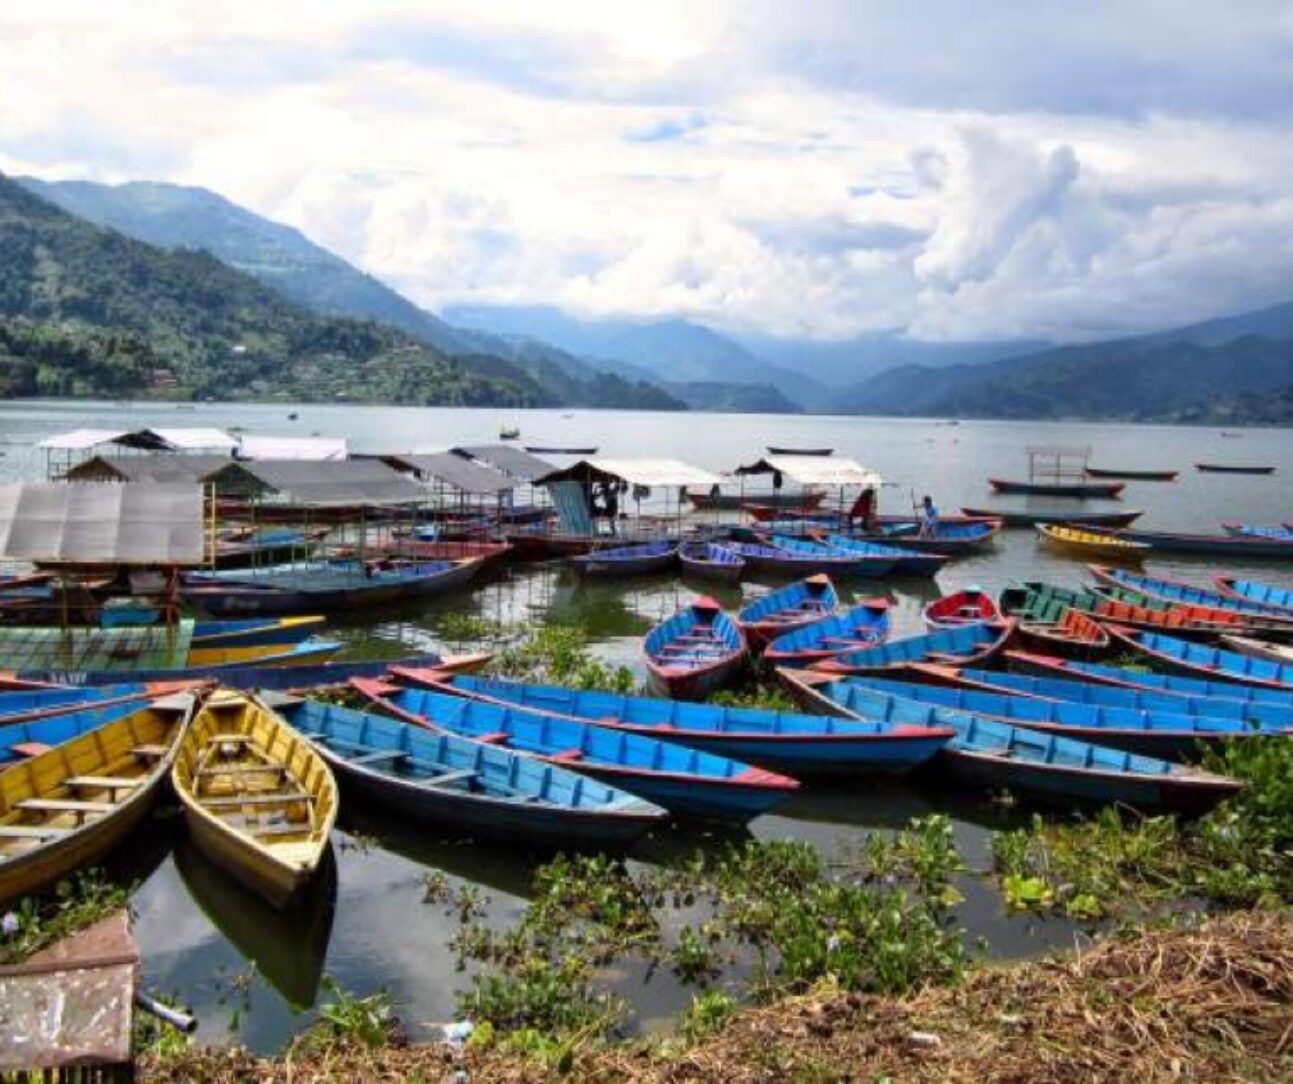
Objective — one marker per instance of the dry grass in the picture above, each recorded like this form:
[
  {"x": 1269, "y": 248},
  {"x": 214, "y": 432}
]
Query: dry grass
[{"x": 1213, "y": 1004}]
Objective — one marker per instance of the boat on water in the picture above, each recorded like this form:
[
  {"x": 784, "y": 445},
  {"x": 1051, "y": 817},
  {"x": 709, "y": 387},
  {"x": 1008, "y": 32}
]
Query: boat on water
[
  {"x": 774, "y": 449},
  {"x": 762, "y": 512},
  {"x": 1073, "y": 634},
  {"x": 695, "y": 652},
  {"x": 467, "y": 787},
  {"x": 20, "y": 741},
  {"x": 509, "y": 432},
  {"x": 1176, "y": 684},
  {"x": 540, "y": 449},
  {"x": 967, "y": 607},
  {"x": 1084, "y": 491},
  {"x": 1190, "y": 621},
  {"x": 1173, "y": 656},
  {"x": 953, "y": 537},
  {"x": 710, "y": 561},
  {"x": 1090, "y": 544},
  {"x": 1213, "y": 545},
  {"x": 907, "y": 562},
  {"x": 1250, "y": 591},
  {"x": 1258, "y": 649},
  {"x": 776, "y": 561},
  {"x": 1280, "y": 533},
  {"x": 30, "y": 705},
  {"x": 257, "y": 798},
  {"x": 1232, "y": 468},
  {"x": 710, "y": 501},
  {"x": 852, "y": 562},
  {"x": 70, "y": 806},
  {"x": 860, "y": 626},
  {"x": 1174, "y": 591},
  {"x": 1015, "y": 518},
  {"x": 965, "y": 645},
  {"x": 988, "y": 754},
  {"x": 687, "y": 782},
  {"x": 795, "y": 606},
  {"x": 799, "y": 745},
  {"x": 266, "y": 545},
  {"x": 1133, "y": 474},
  {"x": 1165, "y": 734},
  {"x": 639, "y": 560}
]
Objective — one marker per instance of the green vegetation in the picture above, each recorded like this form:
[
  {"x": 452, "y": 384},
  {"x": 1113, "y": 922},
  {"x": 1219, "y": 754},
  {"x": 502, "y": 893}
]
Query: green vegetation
[
  {"x": 34, "y": 923},
  {"x": 559, "y": 655}
]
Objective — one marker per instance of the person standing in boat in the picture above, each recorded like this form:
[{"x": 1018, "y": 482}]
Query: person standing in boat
[
  {"x": 864, "y": 509},
  {"x": 928, "y": 518}
]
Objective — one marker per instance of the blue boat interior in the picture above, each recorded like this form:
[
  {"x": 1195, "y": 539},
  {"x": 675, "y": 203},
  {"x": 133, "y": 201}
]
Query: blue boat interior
[
  {"x": 861, "y": 626},
  {"x": 693, "y": 638}
]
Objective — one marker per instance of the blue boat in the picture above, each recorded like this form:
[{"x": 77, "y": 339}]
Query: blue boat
[
  {"x": 252, "y": 632},
  {"x": 23, "y": 740},
  {"x": 795, "y": 606},
  {"x": 25, "y": 705},
  {"x": 861, "y": 626},
  {"x": 1175, "y": 684},
  {"x": 467, "y": 787},
  {"x": 955, "y": 537},
  {"x": 1262, "y": 594},
  {"x": 798, "y": 745},
  {"x": 1173, "y": 656},
  {"x": 907, "y": 562},
  {"x": 1252, "y": 714},
  {"x": 695, "y": 652},
  {"x": 776, "y": 561},
  {"x": 965, "y": 645},
  {"x": 1279, "y": 533},
  {"x": 710, "y": 561},
  {"x": 685, "y": 781},
  {"x": 993, "y": 755},
  {"x": 1168, "y": 735},
  {"x": 1153, "y": 587},
  {"x": 843, "y": 562},
  {"x": 628, "y": 560}
]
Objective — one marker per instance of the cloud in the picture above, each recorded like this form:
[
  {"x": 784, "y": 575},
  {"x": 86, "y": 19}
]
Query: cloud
[{"x": 667, "y": 131}]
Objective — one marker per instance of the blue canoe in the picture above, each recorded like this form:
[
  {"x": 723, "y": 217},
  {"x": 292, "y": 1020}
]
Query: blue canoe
[
  {"x": 953, "y": 537},
  {"x": 860, "y": 626},
  {"x": 1162, "y": 590},
  {"x": 628, "y": 560},
  {"x": 966, "y": 645},
  {"x": 695, "y": 652},
  {"x": 907, "y": 562},
  {"x": 989, "y": 754},
  {"x": 795, "y": 606},
  {"x": 684, "y": 781},
  {"x": 842, "y": 562},
  {"x": 1252, "y": 714},
  {"x": 254, "y": 632},
  {"x": 779, "y": 741},
  {"x": 22, "y": 740},
  {"x": 20, "y": 706},
  {"x": 466, "y": 786},
  {"x": 776, "y": 561},
  {"x": 1279, "y": 533},
  {"x": 1169, "y": 735},
  {"x": 1173, "y": 656},
  {"x": 710, "y": 561},
  {"x": 1262, "y": 594}
]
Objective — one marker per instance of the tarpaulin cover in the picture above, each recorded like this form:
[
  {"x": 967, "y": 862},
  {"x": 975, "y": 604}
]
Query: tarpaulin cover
[
  {"x": 165, "y": 467},
  {"x": 453, "y": 470},
  {"x": 253, "y": 447},
  {"x": 523, "y": 466},
  {"x": 334, "y": 483},
  {"x": 815, "y": 470}
]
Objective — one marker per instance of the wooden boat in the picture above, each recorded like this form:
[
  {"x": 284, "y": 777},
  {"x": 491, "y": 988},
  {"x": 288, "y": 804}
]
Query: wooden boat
[
  {"x": 710, "y": 561},
  {"x": 628, "y": 560},
  {"x": 1231, "y": 468},
  {"x": 36, "y": 720},
  {"x": 775, "y": 561},
  {"x": 684, "y": 781},
  {"x": 1175, "y": 592},
  {"x": 799, "y": 745},
  {"x": 774, "y": 449},
  {"x": 1088, "y": 543},
  {"x": 861, "y": 626},
  {"x": 438, "y": 549},
  {"x": 1144, "y": 681},
  {"x": 1216, "y": 545},
  {"x": 68, "y": 807},
  {"x": 1074, "y": 635},
  {"x": 467, "y": 787},
  {"x": 21, "y": 741},
  {"x": 1014, "y": 519},
  {"x": 1083, "y": 491},
  {"x": 695, "y": 652},
  {"x": 993, "y": 755},
  {"x": 1244, "y": 530},
  {"x": 325, "y": 586},
  {"x": 258, "y": 800},
  {"x": 539, "y": 449},
  {"x": 762, "y": 512},
  {"x": 966, "y": 645},
  {"x": 280, "y": 632},
  {"x": 1258, "y": 649},
  {"x": 1173, "y": 656},
  {"x": 953, "y": 537},
  {"x": 794, "y": 606},
  {"x": 853, "y": 562},
  {"x": 266, "y": 545},
  {"x": 967, "y": 607},
  {"x": 1168, "y": 735},
  {"x": 1247, "y": 716},
  {"x": 907, "y": 562},
  {"x": 732, "y": 502},
  {"x": 1262, "y": 594},
  {"x": 1133, "y": 474}
]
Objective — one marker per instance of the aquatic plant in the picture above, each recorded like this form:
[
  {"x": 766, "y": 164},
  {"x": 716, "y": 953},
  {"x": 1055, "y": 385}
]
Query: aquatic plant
[
  {"x": 559, "y": 655},
  {"x": 350, "y": 1020},
  {"x": 78, "y": 901}
]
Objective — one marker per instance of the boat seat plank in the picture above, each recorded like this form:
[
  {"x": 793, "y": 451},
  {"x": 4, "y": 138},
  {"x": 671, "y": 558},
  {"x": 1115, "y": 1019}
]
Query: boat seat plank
[
  {"x": 102, "y": 782},
  {"x": 29, "y": 748},
  {"x": 31, "y": 831},
  {"x": 146, "y": 752},
  {"x": 64, "y": 805},
  {"x": 497, "y": 737},
  {"x": 230, "y": 739},
  {"x": 567, "y": 755},
  {"x": 304, "y": 828},
  {"x": 451, "y": 777},
  {"x": 378, "y": 755},
  {"x": 235, "y": 800},
  {"x": 244, "y": 769}
]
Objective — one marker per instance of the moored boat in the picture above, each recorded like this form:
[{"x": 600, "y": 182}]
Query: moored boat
[
  {"x": 1213, "y": 545},
  {"x": 638, "y": 560},
  {"x": 799, "y": 745},
  {"x": 1074, "y": 634},
  {"x": 464, "y": 786},
  {"x": 860, "y": 626},
  {"x": 685, "y": 781},
  {"x": 794, "y": 606},
  {"x": 1076, "y": 490},
  {"x": 1280, "y": 533},
  {"x": 994, "y": 755},
  {"x": 731, "y": 502},
  {"x": 775, "y": 561},
  {"x": 1089, "y": 543},
  {"x": 855, "y": 562},
  {"x": 1174, "y": 591},
  {"x": 966, "y": 607},
  {"x": 1259, "y": 649},
  {"x": 951, "y": 536},
  {"x": 68, "y": 807},
  {"x": 1174, "y": 656},
  {"x": 1019, "y": 518},
  {"x": 258, "y": 800},
  {"x": 29, "y": 705},
  {"x": 907, "y": 562},
  {"x": 774, "y": 449},
  {"x": 1232, "y": 468},
  {"x": 1262, "y": 594},
  {"x": 695, "y": 652},
  {"x": 21, "y": 741},
  {"x": 966, "y": 645},
  {"x": 1133, "y": 473},
  {"x": 710, "y": 561}
]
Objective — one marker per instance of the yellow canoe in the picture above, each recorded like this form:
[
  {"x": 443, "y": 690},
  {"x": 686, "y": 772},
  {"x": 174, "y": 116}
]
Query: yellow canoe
[
  {"x": 258, "y": 800},
  {"x": 1087, "y": 543},
  {"x": 68, "y": 807}
]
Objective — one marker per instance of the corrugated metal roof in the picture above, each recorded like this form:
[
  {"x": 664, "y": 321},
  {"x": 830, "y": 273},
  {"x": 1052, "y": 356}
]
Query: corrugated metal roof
[
  {"x": 146, "y": 524},
  {"x": 815, "y": 470},
  {"x": 638, "y": 472},
  {"x": 162, "y": 467},
  {"x": 297, "y": 448},
  {"x": 522, "y": 466},
  {"x": 335, "y": 482},
  {"x": 464, "y": 474}
]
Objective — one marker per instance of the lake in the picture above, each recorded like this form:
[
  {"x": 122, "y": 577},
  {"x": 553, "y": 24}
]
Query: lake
[{"x": 368, "y": 926}]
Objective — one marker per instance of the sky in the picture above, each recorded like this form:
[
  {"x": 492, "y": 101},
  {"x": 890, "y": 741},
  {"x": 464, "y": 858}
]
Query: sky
[{"x": 946, "y": 169}]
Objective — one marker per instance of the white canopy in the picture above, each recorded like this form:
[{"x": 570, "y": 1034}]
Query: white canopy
[
  {"x": 200, "y": 437},
  {"x": 298, "y": 448},
  {"x": 816, "y": 470},
  {"x": 637, "y": 472},
  {"x": 157, "y": 440},
  {"x": 80, "y": 440}
]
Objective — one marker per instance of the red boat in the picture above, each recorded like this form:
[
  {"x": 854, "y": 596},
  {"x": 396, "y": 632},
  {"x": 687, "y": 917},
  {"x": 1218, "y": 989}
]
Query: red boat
[
  {"x": 1075, "y": 635},
  {"x": 968, "y": 607}
]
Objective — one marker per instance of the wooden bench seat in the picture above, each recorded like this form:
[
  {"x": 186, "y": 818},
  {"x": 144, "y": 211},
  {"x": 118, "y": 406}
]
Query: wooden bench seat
[
  {"x": 378, "y": 755},
  {"x": 567, "y": 756},
  {"x": 65, "y": 805},
  {"x": 102, "y": 782},
  {"x": 150, "y": 752},
  {"x": 233, "y": 801},
  {"x": 31, "y": 831},
  {"x": 244, "y": 769},
  {"x": 450, "y": 777},
  {"x": 304, "y": 828},
  {"x": 29, "y": 748}
]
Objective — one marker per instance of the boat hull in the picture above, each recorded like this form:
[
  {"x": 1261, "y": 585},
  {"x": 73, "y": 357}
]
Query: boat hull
[
  {"x": 1015, "y": 519},
  {"x": 702, "y": 568},
  {"x": 1075, "y": 490},
  {"x": 1133, "y": 475},
  {"x": 695, "y": 684}
]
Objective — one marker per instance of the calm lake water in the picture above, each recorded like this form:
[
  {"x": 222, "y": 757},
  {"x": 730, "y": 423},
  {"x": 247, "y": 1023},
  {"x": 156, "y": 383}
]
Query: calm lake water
[{"x": 367, "y": 925}]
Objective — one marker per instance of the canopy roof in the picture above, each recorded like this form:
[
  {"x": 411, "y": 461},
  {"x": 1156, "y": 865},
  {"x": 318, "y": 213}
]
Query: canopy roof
[
  {"x": 88, "y": 523},
  {"x": 199, "y": 437},
  {"x": 638, "y": 472},
  {"x": 523, "y": 466},
  {"x": 154, "y": 468},
  {"x": 815, "y": 470},
  {"x": 333, "y": 483},
  {"x": 298, "y": 448},
  {"x": 152, "y": 440},
  {"x": 453, "y": 470}
]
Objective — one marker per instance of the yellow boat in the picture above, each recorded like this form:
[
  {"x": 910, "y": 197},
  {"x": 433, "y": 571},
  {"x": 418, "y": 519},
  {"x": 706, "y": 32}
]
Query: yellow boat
[
  {"x": 258, "y": 800},
  {"x": 1087, "y": 543},
  {"x": 69, "y": 806}
]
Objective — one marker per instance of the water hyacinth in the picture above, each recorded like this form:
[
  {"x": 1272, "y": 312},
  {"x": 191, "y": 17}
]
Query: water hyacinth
[{"x": 9, "y": 924}]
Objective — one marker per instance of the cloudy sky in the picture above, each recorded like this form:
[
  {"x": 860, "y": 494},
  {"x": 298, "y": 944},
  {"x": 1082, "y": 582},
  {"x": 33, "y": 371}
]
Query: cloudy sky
[{"x": 823, "y": 168}]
